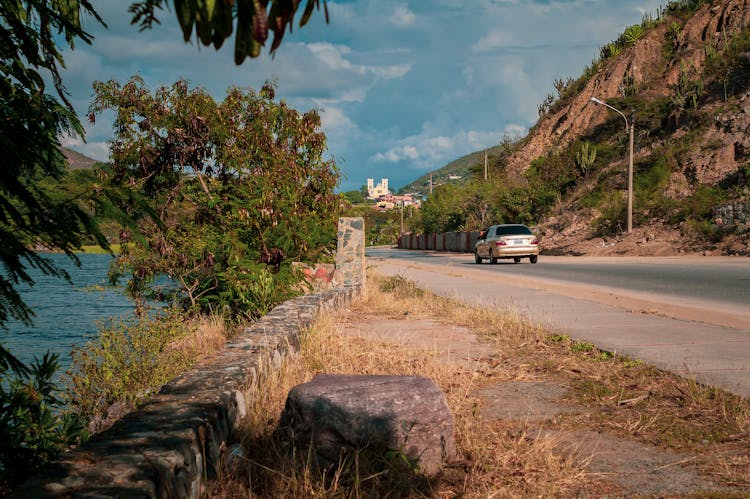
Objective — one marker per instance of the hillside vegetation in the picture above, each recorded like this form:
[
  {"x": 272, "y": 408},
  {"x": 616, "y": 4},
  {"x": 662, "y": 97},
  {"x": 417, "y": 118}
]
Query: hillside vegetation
[
  {"x": 683, "y": 78},
  {"x": 463, "y": 167}
]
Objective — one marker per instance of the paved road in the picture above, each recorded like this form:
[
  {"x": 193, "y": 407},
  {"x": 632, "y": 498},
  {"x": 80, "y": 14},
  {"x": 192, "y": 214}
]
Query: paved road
[{"x": 688, "y": 315}]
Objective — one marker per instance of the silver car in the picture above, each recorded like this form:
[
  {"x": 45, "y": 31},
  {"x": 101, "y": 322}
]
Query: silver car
[{"x": 514, "y": 241}]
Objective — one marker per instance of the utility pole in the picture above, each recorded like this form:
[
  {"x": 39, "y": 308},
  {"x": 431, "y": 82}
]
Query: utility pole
[
  {"x": 430, "y": 183},
  {"x": 485, "y": 164},
  {"x": 402, "y": 217}
]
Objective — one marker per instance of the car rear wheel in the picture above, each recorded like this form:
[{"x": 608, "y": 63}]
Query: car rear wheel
[
  {"x": 517, "y": 259},
  {"x": 533, "y": 258},
  {"x": 477, "y": 258},
  {"x": 493, "y": 259}
]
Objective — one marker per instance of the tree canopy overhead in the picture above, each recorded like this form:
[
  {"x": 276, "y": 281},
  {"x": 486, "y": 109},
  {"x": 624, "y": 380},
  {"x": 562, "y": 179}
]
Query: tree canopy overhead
[
  {"x": 31, "y": 120},
  {"x": 213, "y": 20}
]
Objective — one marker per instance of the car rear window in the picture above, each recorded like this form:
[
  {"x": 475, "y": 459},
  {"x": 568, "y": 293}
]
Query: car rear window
[{"x": 509, "y": 230}]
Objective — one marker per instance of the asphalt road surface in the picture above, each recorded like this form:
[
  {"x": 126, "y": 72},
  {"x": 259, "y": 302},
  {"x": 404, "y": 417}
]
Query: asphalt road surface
[{"x": 690, "y": 315}]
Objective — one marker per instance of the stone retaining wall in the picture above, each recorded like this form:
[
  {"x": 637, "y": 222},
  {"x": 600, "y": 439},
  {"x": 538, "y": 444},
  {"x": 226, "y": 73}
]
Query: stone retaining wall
[
  {"x": 460, "y": 242},
  {"x": 163, "y": 449},
  {"x": 172, "y": 443}
]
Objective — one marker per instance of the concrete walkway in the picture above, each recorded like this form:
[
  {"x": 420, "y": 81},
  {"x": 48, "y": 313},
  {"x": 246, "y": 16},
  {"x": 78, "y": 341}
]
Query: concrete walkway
[{"x": 712, "y": 354}]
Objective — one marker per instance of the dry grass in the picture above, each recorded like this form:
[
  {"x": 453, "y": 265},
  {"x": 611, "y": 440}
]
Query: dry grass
[
  {"x": 493, "y": 458},
  {"x": 206, "y": 334},
  {"x": 498, "y": 458},
  {"x": 658, "y": 408}
]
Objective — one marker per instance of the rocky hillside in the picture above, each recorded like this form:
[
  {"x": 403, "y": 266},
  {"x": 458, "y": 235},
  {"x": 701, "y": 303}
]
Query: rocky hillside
[
  {"x": 77, "y": 160},
  {"x": 684, "y": 79},
  {"x": 643, "y": 64}
]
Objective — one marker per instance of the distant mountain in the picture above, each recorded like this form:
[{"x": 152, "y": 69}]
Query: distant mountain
[{"x": 78, "y": 161}]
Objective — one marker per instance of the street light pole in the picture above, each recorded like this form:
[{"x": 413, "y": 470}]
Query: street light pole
[
  {"x": 402, "y": 216},
  {"x": 630, "y": 127}
]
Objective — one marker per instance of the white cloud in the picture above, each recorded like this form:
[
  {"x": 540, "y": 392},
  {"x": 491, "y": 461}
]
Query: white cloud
[
  {"x": 433, "y": 151},
  {"x": 96, "y": 150},
  {"x": 514, "y": 130},
  {"x": 402, "y": 17},
  {"x": 341, "y": 12},
  {"x": 493, "y": 40},
  {"x": 390, "y": 72},
  {"x": 335, "y": 122},
  {"x": 331, "y": 55},
  {"x": 135, "y": 47},
  {"x": 396, "y": 154}
]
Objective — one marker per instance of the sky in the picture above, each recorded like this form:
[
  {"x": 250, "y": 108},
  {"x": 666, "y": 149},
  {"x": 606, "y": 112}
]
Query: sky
[{"x": 403, "y": 87}]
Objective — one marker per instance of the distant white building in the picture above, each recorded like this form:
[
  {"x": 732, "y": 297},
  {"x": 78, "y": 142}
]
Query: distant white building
[{"x": 375, "y": 191}]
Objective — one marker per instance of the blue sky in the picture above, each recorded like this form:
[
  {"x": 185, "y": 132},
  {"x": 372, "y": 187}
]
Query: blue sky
[{"x": 403, "y": 87}]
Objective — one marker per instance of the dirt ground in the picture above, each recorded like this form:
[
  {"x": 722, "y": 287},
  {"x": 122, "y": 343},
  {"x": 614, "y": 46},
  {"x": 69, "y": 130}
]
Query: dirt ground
[
  {"x": 630, "y": 468},
  {"x": 571, "y": 235}
]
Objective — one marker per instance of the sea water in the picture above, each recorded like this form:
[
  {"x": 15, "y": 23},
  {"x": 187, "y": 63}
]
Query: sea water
[{"x": 66, "y": 314}]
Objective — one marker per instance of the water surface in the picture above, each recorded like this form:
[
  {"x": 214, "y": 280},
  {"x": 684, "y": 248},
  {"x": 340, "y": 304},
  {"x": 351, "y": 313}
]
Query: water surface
[{"x": 66, "y": 314}]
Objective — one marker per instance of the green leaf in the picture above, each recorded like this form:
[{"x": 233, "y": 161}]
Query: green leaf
[
  {"x": 308, "y": 12},
  {"x": 185, "y": 11}
]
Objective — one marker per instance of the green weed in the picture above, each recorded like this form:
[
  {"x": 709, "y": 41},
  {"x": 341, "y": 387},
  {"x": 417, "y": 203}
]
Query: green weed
[
  {"x": 558, "y": 338},
  {"x": 401, "y": 287},
  {"x": 34, "y": 429},
  {"x": 579, "y": 346}
]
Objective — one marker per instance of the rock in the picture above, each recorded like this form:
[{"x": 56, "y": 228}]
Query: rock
[{"x": 336, "y": 414}]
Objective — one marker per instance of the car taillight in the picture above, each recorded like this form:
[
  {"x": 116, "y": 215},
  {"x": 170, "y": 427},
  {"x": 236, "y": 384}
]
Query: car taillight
[
  {"x": 501, "y": 243},
  {"x": 535, "y": 241}
]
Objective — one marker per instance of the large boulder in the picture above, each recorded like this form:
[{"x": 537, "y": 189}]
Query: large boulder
[{"x": 338, "y": 413}]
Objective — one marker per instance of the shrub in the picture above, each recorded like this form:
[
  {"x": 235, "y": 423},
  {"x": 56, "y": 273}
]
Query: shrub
[
  {"x": 709, "y": 231},
  {"x": 34, "y": 429},
  {"x": 682, "y": 7},
  {"x": 698, "y": 207},
  {"x": 614, "y": 215},
  {"x": 727, "y": 64},
  {"x": 242, "y": 186},
  {"x": 129, "y": 360},
  {"x": 579, "y": 346},
  {"x": 612, "y": 49},
  {"x": 383, "y": 227},
  {"x": 444, "y": 209}
]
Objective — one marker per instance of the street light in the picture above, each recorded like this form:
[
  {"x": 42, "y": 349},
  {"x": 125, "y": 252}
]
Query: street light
[{"x": 631, "y": 128}]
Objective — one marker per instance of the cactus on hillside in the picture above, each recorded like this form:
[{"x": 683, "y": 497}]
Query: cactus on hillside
[{"x": 585, "y": 157}]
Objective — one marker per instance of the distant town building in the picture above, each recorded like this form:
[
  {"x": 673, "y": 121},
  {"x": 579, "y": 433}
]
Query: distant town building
[
  {"x": 388, "y": 202},
  {"x": 375, "y": 191}
]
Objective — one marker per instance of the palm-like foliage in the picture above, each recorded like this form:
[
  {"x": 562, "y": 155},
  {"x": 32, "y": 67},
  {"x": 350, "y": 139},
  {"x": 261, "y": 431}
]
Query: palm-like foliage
[{"x": 30, "y": 123}]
